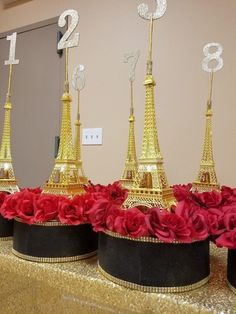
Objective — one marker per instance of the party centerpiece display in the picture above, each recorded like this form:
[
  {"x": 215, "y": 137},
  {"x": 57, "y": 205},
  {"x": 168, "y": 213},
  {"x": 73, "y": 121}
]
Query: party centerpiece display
[
  {"x": 130, "y": 172},
  {"x": 206, "y": 179},
  {"x": 151, "y": 242},
  {"x": 151, "y": 187},
  {"x": 8, "y": 183},
  {"x": 51, "y": 225}
]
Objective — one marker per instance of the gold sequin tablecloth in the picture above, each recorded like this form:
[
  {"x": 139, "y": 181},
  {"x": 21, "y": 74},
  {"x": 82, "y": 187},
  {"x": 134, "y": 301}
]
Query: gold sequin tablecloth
[{"x": 78, "y": 287}]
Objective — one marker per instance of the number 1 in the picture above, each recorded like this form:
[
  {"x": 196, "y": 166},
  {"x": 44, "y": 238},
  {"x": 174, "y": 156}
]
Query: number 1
[{"x": 12, "y": 51}]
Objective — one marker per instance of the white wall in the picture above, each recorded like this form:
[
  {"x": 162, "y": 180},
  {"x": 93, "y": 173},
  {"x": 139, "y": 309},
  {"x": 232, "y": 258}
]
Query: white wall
[{"x": 108, "y": 28}]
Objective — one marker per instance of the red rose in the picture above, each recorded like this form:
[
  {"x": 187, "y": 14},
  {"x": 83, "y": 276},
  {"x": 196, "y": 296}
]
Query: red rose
[
  {"x": 112, "y": 192},
  {"x": 226, "y": 192},
  {"x": 134, "y": 223},
  {"x": 182, "y": 192},
  {"x": 98, "y": 214},
  {"x": 114, "y": 218},
  {"x": 2, "y": 197},
  {"x": 116, "y": 193},
  {"x": 70, "y": 212},
  {"x": 228, "y": 195},
  {"x": 34, "y": 190},
  {"x": 84, "y": 203},
  {"x": 46, "y": 207},
  {"x": 120, "y": 225},
  {"x": 215, "y": 218},
  {"x": 195, "y": 218},
  {"x": 209, "y": 199},
  {"x": 8, "y": 208},
  {"x": 230, "y": 220},
  {"x": 167, "y": 226},
  {"x": 97, "y": 191},
  {"x": 25, "y": 206},
  {"x": 227, "y": 239}
]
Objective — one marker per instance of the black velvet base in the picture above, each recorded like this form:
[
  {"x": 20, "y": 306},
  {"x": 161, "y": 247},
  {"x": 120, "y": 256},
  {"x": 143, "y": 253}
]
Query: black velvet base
[
  {"x": 231, "y": 268},
  {"x": 53, "y": 241},
  {"x": 154, "y": 264},
  {"x": 6, "y": 227}
]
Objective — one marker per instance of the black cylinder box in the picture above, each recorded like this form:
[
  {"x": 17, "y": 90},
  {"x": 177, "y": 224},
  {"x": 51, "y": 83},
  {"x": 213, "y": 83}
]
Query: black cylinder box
[
  {"x": 53, "y": 241},
  {"x": 231, "y": 270},
  {"x": 6, "y": 228},
  {"x": 147, "y": 264}
]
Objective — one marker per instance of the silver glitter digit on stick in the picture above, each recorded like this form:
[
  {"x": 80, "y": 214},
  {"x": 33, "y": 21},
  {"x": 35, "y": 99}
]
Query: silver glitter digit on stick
[
  {"x": 210, "y": 56},
  {"x": 12, "y": 51},
  {"x": 78, "y": 77},
  {"x": 143, "y": 10},
  {"x": 65, "y": 42},
  {"x": 133, "y": 57}
]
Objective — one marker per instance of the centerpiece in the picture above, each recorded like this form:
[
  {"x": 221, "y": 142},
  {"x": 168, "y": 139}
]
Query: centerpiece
[{"x": 152, "y": 242}]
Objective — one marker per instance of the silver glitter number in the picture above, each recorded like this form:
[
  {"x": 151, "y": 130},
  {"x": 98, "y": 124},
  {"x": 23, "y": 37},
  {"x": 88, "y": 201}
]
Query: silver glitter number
[
  {"x": 210, "y": 56},
  {"x": 133, "y": 57},
  {"x": 65, "y": 42},
  {"x": 12, "y": 51},
  {"x": 78, "y": 77},
  {"x": 160, "y": 10}
]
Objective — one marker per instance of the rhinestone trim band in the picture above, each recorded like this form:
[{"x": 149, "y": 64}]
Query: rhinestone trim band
[
  {"x": 153, "y": 289},
  {"x": 143, "y": 239},
  {"x": 5, "y": 238},
  {"x": 53, "y": 259}
]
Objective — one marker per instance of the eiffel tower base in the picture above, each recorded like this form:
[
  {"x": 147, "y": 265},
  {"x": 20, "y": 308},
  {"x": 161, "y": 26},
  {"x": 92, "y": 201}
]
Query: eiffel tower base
[
  {"x": 148, "y": 198},
  {"x": 205, "y": 187},
  {"x": 6, "y": 229}
]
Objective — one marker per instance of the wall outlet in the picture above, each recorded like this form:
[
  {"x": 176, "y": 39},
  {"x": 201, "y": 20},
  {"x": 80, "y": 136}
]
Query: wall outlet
[{"x": 92, "y": 136}]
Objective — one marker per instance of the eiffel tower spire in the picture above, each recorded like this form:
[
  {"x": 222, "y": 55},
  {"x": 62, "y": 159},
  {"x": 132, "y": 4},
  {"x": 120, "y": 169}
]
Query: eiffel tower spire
[
  {"x": 64, "y": 178},
  {"x": 8, "y": 181},
  {"x": 131, "y": 164},
  {"x": 78, "y": 71},
  {"x": 151, "y": 188},
  {"x": 206, "y": 179}
]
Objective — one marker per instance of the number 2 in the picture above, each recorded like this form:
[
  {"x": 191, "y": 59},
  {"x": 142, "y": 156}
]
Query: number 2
[{"x": 65, "y": 42}]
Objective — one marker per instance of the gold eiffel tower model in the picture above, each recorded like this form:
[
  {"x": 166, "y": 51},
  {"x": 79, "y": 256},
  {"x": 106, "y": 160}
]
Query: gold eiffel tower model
[
  {"x": 130, "y": 172},
  {"x": 64, "y": 178},
  {"x": 8, "y": 181},
  {"x": 151, "y": 186},
  {"x": 82, "y": 178},
  {"x": 206, "y": 179}
]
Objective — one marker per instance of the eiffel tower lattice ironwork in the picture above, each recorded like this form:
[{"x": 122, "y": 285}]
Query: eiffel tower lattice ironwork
[
  {"x": 131, "y": 164},
  {"x": 206, "y": 179},
  {"x": 151, "y": 186},
  {"x": 8, "y": 181},
  {"x": 64, "y": 178}
]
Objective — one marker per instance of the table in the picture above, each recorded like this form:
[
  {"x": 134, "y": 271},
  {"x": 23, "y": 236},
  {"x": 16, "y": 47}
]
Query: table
[{"x": 78, "y": 287}]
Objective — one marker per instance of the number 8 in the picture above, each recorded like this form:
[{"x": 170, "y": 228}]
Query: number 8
[{"x": 212, "y": 56}]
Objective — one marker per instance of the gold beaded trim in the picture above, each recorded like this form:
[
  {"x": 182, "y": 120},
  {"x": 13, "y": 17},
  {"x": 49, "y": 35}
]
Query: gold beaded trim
[
  {"x": 53, "y": 259},
  {"x": 5, "y": 238},
  {"x": 53, "y": 223},
  {"x": 144, "y": 239},
  {"x": 232, "y": 288},
  {"x": 135, "y": 286}
]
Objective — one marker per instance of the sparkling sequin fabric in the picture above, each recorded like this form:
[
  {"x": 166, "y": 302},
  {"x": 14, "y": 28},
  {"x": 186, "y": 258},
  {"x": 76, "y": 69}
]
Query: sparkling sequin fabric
[{"x": 78, "y": 287}]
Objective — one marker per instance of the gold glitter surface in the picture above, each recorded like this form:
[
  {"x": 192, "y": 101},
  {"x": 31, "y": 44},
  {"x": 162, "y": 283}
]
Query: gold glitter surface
[{"x": 78, "y": 287}]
